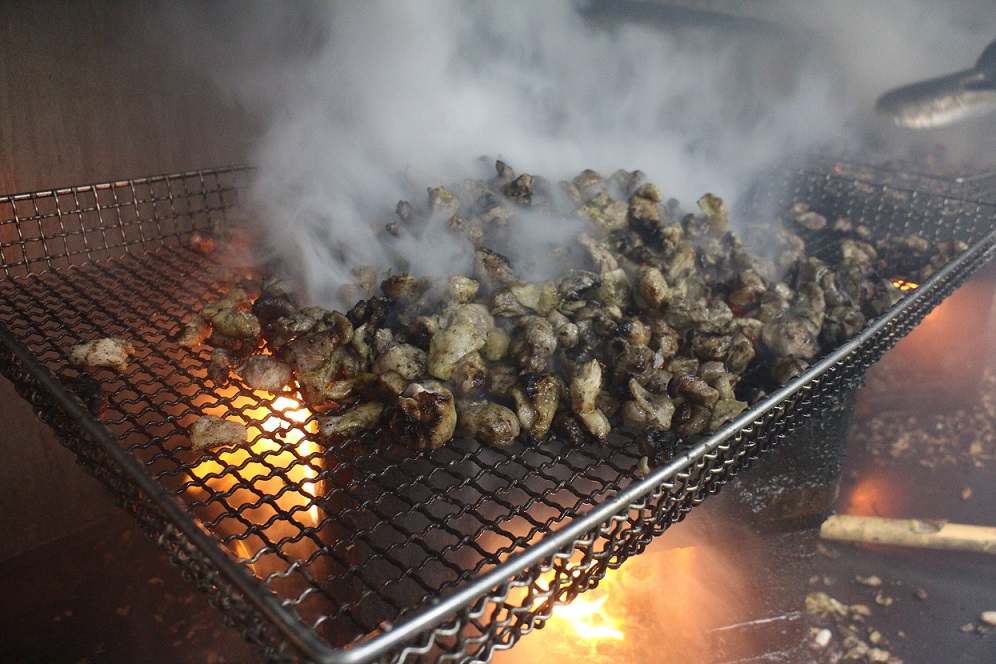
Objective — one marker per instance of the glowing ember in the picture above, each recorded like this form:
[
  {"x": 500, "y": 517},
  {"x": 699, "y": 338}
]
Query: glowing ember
[
  {"x": 587, "y": 617},
  {"x": 904, "y": 285}
]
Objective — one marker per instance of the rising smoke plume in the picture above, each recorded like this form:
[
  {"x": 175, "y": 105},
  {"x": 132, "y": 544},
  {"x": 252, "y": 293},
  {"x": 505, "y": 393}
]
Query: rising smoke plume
[{"x": 367, "y": 103}]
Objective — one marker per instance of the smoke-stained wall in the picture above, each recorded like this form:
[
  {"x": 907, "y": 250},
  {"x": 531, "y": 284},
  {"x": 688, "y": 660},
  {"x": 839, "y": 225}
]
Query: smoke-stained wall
[{"x": 87, "y": 94}]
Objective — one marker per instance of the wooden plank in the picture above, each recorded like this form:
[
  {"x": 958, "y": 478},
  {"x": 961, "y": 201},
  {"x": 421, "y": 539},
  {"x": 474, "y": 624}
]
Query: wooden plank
[{"x": 915, "y": 533}]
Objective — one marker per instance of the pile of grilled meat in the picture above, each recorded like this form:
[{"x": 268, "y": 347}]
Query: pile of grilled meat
[{"x": 668, "y": 325}]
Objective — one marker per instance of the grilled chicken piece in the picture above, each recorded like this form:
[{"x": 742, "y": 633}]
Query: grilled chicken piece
[
  {"x": 361, "y": 417},
  {"x": 488, "y": 422},
  {"x": 106, "y": 352},
  {"x": 212, "y": 431},
  {"x": 266, "y": 372}
]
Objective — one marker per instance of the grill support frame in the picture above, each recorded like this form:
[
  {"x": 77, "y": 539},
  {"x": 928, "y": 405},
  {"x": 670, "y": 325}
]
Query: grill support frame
[{"x": 601, "y": 539}]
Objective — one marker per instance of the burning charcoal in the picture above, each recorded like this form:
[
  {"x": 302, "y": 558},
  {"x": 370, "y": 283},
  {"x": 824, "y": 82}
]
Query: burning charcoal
[
  {"x": 488, "y": 422},
  {"x": 691, "y": 418},
  {"x": 361, "y": 417},
  {"x": 106, "y": 352},
  {"x": 652, "y": 291},
  {"x": 426, "y": 416},
  {"x": 265, "y": 372},
  {"x": 802, "y": 215},
  {"x": 536, "y": 399},
  {"x": 658, "y": 444},
  {"x": 584, "y": 389},
  {"x": 201, "y": 242},
  {"x": 211, "y": 431},
  {"x": 533, "y": 343},
  {"x": 194, "y": 333},
  {"x": 90, "y": 392},
  {"x": 465, "y": 330},
  {"x": 791, "y": 336},
  {"x": 404, "y": 359},
  {"x": 646, "y": 408}
]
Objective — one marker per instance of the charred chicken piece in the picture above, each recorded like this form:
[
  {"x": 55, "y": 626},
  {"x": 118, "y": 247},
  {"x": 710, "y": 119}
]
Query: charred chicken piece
[
  {"x": 426, "y": 416},
  {"x": 675, "y": 325},
  {"x": 488, "y": 422},
  {"x": 536, "y": 399}
]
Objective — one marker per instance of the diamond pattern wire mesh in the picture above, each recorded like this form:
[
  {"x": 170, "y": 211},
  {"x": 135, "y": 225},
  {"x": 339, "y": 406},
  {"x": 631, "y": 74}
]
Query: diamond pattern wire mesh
[{"x": 363, "y": 550}]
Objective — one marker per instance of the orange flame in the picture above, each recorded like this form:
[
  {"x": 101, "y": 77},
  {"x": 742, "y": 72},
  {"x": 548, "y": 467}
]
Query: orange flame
[
  {"x": 588, "y": 618},
  {"x": 291, "y": 411},
  {"x": 904, "y": 285}
]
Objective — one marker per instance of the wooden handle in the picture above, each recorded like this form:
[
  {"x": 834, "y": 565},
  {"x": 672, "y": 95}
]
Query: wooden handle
[{"x": 910, "y": 532}]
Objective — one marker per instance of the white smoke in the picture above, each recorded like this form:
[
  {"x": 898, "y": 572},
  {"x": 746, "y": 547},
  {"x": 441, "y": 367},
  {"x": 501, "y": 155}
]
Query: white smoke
[{"x": 378, "y": 100}]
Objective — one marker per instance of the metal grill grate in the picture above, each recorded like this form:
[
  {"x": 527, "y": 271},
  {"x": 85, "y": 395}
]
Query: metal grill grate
[{"x": 364, "y": 550}]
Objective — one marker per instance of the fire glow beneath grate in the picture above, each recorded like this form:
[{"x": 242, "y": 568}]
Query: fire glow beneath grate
[{"x": 358, "y": 535}]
